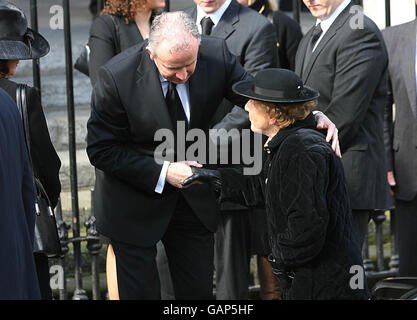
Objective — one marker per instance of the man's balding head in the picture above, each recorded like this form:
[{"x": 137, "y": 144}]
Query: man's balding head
[{"x": 173, "y": 44}]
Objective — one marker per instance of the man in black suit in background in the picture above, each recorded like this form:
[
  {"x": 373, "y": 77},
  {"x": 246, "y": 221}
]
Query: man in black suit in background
[
  {"x": 252, "y": 38},
  {"x": 18, "y": 278},
  {"x": 288, "y": 30},
  {"x": 347, "y": 64},
  {"x": 137, "y": 93},
  {"x": 401, "y": 139}
]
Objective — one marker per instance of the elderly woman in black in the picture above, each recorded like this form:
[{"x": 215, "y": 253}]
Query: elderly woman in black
[
  {"x": 314, "y": 245},
  {"x": 18, "y": 42}
]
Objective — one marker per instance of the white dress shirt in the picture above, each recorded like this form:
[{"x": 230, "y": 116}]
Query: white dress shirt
[
  {"x": 327, "y": 23},
  {"x": 215, "y": 16},
  {"x": 183, "y": 93}
]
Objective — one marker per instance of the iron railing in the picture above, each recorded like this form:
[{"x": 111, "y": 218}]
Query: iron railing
[
  {"x": 91, "y": 239},
  {"x": 383, "y": 269}
]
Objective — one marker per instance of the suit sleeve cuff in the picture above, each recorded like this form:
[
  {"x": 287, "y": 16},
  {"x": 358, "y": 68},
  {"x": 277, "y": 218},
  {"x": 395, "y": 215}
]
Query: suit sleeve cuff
[{"x": 162, "y": 178}]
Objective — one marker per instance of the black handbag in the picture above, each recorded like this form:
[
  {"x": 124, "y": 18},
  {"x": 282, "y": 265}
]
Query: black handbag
[
  {"x": 46, "y": 233},
  {"x": 83, "y": 61}
]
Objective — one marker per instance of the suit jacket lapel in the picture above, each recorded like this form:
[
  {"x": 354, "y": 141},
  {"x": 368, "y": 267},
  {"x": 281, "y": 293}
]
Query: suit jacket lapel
[
  {"x": 198, "y": 95},
  {"x": 148, "y": 77},
  {"x": 336, "y": 25},
  {"x": 226, "y": 27},
  {"x": 409, "y": 66}
]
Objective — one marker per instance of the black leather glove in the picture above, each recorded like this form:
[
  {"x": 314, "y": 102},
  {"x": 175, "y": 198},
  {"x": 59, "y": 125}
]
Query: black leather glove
[{"x": 212, "y": 177}]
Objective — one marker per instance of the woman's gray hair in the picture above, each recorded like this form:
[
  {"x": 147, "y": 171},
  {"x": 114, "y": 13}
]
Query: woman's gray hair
[{"x": 172, "y": 26}]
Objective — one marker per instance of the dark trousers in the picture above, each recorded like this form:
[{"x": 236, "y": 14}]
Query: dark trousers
[
  {"x": 167, "y": 289},
  {"x": 42, "y": 270},
  {"x": 189, "y": 247},
  {"x": 360, "y": 221},
  {"x": 406, "y": 231},
  {"x": 232, "y": 255}
]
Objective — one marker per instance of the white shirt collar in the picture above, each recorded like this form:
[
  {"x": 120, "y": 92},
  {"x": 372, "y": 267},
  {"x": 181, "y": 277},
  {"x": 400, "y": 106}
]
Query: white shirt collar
[
  {"x": 326, "y": 23},
  {"x": 215, "y": 16}
]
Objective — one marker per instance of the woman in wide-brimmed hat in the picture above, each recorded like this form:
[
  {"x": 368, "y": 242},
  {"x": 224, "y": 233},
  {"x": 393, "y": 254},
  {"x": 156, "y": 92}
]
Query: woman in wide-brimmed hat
[
  {"x": 313, "y": 241},
  {"x": 18, "y": 42}
]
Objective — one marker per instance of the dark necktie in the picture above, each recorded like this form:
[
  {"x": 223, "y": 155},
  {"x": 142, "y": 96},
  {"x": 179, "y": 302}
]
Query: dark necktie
[
  {"x": 313, "y": 40},
  {"x": 175, "y": 108},
  {"x": 206, "y": 26}
]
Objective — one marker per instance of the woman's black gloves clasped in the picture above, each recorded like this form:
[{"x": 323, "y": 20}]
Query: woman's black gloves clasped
[{"x": 212, "y": 177}]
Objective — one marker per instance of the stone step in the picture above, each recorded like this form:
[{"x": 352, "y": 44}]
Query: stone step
[
  {"x": 58, "y": 129},
  {"x": 57, "y": 121},
  {"x": 85, "y": 171}
]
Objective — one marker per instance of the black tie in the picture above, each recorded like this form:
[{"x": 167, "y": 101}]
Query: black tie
[
  {"x": 206, "y": 26},
  {"x": 175, "y": 108},
  {"x": 313, "y": 40}
]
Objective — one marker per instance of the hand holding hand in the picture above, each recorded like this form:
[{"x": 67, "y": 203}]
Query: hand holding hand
[
  {"x": 200, "y": 175},
  {"x": 178, "y": 171}
]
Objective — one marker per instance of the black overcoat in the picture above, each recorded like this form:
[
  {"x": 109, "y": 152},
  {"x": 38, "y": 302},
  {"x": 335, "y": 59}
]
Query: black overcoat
[
  {"x": 309, "y": 219},
  {"x": 46, "y": 163},
  {"x": 349, "y": 69},
  {"x": 18, "y": 279}
]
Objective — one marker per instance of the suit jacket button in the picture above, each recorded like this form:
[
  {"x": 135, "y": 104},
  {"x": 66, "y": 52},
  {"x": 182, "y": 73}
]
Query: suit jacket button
[{"x": 266, "y": 180}]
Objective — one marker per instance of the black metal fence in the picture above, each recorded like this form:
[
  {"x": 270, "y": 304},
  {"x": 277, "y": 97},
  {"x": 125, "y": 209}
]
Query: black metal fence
[{"x": 378, "y": 227}]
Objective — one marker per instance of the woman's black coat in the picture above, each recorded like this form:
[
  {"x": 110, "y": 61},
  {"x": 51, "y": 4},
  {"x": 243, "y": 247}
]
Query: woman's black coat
[
  {"x": 18, "y": 278},
  {"x": 110, "y": 35},
  {"x": 309, "y": 218},
  {"x": 46, "y": 163}
]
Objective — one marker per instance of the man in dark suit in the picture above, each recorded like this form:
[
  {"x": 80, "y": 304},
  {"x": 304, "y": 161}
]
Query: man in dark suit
[
  {"x": 401, "y": 139},
  {"x": 141, "y": 200},
  {"x": 347, "y": 64},
  {"x": 288, "y": 30},
  {"x": 252, "y": 38}
]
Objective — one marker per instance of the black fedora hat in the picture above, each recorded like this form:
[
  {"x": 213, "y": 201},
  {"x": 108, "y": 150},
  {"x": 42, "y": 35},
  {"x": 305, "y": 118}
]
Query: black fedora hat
[
  {"x": 277, "y": 86},
  {"x": 17, "y": 41}
]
